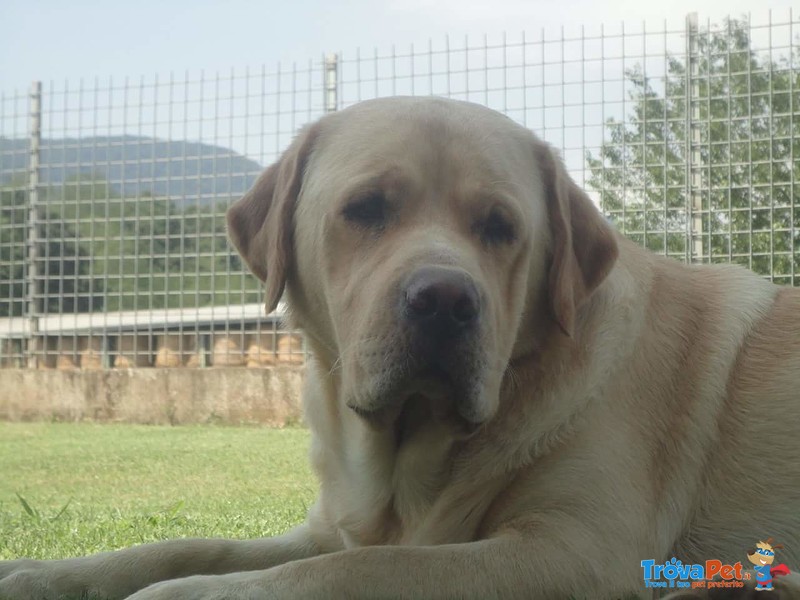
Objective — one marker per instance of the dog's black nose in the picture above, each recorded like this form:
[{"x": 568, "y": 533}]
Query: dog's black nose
[{"x": 442, "y": 300}]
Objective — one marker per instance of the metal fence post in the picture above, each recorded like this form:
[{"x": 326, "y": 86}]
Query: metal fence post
[
  {"x": 331, "y": 83},
  {"x": 694, "y": 158},
  {"x": 32, "y": 253}
]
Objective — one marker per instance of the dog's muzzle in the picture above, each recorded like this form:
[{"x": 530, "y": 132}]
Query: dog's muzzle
[{"x": 439, "y": 310}]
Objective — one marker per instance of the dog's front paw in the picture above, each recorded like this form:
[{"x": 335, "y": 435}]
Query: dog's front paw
[
  {"x": 52, "y": 580},
  {"x": 203, "y": 587},
  {"x": 25, "y": 580},
  {"x": 9, "y": 567}
]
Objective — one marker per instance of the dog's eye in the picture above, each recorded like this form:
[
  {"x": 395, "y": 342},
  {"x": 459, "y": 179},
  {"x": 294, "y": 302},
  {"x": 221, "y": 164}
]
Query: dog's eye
[
  {"x": 496, "y": 229},
  {"x": 368, "y": 211}
]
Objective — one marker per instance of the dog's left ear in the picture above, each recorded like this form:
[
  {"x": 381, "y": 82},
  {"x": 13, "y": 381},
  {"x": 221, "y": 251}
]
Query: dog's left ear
[
  {"x": 584, "y": 248},
  {"x": 260, "y": 224}
]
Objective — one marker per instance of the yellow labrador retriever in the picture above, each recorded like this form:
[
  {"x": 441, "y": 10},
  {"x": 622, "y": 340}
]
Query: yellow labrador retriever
[{"x": 507, "y": 398}]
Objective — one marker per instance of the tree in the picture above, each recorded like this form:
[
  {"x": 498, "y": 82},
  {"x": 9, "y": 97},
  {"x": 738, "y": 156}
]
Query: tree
[
  {"x": 64, "y": 279},
  {"x": 158, "y": 254},
  {"x": 13, "y": 233},
  {"x": 744, "y": 153},
  {"x": 101, "y": 251}
]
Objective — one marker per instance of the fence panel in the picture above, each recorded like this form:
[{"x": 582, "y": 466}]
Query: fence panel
[{"x": 112, "y": 193}]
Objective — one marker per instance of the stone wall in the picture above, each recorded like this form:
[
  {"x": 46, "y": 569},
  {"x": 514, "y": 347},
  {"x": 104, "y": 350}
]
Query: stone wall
[{"x": 229, "y": 395}]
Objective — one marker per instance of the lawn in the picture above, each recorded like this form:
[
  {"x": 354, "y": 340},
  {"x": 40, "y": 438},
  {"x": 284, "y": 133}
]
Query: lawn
[{"x": 70, "y": 489}]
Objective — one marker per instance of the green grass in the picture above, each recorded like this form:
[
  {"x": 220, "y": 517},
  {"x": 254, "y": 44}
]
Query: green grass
[
  {"x": 74, "y": 489},
  {"x": 71, "y": 489}
]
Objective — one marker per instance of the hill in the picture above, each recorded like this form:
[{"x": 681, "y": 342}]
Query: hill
[{"x": 186, "y": 172}]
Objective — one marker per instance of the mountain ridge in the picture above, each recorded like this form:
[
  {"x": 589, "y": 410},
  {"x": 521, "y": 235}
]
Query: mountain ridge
[{"x": 188, "y": 172}]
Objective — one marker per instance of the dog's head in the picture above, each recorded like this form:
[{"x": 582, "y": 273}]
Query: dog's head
[{"x": 423, "y": 243}]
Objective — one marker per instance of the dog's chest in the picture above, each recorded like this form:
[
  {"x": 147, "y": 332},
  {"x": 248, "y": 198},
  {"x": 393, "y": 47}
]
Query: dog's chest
[{"x": 381, "y": 493}]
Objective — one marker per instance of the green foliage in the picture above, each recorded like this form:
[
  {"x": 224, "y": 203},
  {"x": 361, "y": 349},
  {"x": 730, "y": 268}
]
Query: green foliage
[
  {"x": 64, "y": 263},
  {"x": 745, "y": 130},
  {"x": 13, "y": 234},
  {"x": 100, "y": 250}
]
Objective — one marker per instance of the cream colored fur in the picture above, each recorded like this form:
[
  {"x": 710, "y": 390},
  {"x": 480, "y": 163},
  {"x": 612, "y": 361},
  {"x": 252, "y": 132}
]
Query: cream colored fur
[{"x": 628, "y": 406}]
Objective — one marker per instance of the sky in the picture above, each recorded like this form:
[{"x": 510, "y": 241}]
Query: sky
[{"x": 56, "y": 40}]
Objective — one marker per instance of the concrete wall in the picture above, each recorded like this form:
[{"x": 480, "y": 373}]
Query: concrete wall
[{"x": 268, "y": 396}]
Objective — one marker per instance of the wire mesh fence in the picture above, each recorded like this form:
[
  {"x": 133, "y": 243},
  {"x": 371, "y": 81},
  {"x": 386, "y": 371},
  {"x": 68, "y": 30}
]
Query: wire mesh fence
[{"x": 113, "y": 250}]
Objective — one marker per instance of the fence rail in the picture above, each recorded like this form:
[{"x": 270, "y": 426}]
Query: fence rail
[{"x": 113, "y": 192}]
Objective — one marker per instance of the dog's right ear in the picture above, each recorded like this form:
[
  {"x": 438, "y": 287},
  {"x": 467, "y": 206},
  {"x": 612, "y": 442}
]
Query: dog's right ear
[
  {"x": 584, "y": 247},
  {"x": 260, "y": 224}
]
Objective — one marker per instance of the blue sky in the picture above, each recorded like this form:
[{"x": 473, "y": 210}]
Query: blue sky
[{"x": 57, "y": 40}]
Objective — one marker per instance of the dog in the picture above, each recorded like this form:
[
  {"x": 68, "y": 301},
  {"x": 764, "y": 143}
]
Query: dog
[{"x": 507, "y": 398}]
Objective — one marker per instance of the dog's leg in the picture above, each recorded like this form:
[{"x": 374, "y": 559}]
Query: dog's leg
[
  {"x": 116, "y": 575},
  {"x": 510, "y": 566}
]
